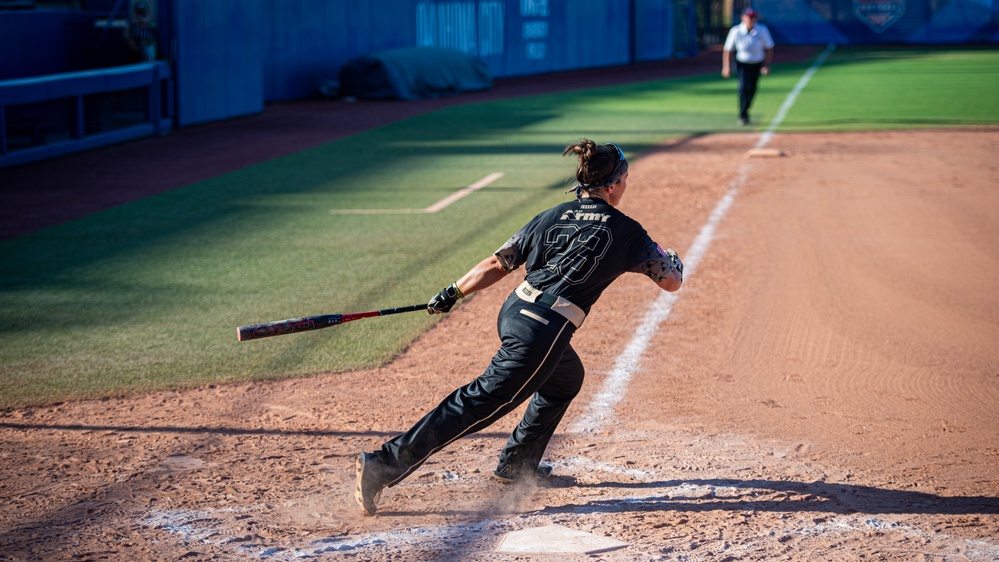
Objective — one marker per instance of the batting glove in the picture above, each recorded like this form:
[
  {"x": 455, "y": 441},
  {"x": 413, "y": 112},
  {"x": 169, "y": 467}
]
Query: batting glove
[
  {"x": 674, "y": 260},
  {"x": 445, "y": 300}
]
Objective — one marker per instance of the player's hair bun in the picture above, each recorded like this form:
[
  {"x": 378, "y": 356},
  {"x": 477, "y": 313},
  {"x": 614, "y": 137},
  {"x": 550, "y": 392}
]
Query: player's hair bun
[{"x": 595, "y": 161}]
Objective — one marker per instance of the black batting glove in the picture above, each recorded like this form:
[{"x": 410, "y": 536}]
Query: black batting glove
[{"x": 445, "y": 300}]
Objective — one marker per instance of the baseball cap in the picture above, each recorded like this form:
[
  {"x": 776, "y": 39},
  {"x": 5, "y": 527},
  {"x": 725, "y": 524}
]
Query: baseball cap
[{"x": 750, "y": 12}]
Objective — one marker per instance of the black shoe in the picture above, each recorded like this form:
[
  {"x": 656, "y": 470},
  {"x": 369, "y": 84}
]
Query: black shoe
[
  {"x": 370, "y": 482},
  {"x": 509, "y": 474}
]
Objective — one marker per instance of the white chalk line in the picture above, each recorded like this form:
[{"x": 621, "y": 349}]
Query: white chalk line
[
  {"x": 600, "y": 411},
  {"x": 601, "y": 408},
  {"x": 438, "y": 206},
  {"x": 793, "y": 96},
  {"x": 198, "y": 525}
]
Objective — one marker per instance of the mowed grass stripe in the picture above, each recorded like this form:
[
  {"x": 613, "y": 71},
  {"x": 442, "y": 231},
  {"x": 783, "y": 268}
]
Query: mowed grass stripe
[
  {"x": 900, "y": 88},
  {"x": 146, "y": 295}
]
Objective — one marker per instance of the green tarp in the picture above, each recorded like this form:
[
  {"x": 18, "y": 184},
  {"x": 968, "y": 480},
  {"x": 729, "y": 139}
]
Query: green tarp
[{"x": 413, "y": 73}]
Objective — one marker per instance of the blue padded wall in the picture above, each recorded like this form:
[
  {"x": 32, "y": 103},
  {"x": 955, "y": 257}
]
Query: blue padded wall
[
  {"x": 876, "y": 22},
  {"x": 218, "y": 58}
]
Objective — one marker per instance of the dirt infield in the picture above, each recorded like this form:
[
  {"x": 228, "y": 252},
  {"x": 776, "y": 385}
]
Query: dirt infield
[{"x": 824, "y": 388}]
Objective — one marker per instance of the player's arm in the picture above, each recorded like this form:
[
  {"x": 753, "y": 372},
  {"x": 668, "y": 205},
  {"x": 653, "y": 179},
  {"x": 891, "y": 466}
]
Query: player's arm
[
  {"x": 665, "y": 269},
  {"x": 484, "y": 274}
]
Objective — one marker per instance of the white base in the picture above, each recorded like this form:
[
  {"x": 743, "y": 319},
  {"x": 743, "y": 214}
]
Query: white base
[{"x": 556, "y": 539}]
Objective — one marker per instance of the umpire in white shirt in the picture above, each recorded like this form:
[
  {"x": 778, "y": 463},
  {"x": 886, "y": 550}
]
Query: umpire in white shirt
[{"x": 754, "y": 51}]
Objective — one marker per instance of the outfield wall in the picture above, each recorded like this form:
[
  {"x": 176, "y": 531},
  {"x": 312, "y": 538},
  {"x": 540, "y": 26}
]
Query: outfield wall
[
  {"x": 873, "y": 22},
  {"x": 232, "y": 56}
]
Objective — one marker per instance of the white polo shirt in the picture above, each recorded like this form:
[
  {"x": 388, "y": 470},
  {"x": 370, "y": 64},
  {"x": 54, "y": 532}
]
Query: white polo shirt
[{"x": 749, "y": 45}]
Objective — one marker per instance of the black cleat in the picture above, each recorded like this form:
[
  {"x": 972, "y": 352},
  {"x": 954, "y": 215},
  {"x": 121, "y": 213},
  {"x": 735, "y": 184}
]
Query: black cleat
[
  {"x": 370, "y": 482},
  {"x": 509, "y": 475}
]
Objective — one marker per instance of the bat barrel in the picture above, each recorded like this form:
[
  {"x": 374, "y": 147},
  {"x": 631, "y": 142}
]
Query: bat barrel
[
  {"x": 309, "y": 323},
  {"x": 290, "y": 326}
]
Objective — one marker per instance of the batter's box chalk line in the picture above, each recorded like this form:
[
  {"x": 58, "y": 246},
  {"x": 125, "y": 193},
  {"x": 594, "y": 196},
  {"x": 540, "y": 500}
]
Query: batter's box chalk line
[{"x": 438, "y": 206}]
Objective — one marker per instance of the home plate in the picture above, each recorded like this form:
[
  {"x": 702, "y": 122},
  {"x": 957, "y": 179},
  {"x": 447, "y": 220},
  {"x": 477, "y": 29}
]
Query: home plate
[
  {"x": 556, "y": 539},
  {"x": 764, "y": 152}
]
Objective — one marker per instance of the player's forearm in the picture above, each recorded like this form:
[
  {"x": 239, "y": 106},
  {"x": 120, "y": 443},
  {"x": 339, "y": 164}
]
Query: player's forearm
[
  {"x": 665, "y": 271},
  {"x": 486, "y": 273}
]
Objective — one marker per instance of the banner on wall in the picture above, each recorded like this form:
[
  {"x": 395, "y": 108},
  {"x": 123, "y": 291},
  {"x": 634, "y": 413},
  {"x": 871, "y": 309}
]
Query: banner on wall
[
  {"x": 878, "y": 15},
  {"x": 474, "y": 28}
]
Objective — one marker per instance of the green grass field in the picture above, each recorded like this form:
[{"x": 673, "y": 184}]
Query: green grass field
[{"x": 147, "y": 295}]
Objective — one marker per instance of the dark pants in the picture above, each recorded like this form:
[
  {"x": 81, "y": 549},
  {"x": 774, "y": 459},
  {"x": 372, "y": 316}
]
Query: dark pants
[
  {"x": 749, "y": 75},
  {"x": 534, "y": 361}
]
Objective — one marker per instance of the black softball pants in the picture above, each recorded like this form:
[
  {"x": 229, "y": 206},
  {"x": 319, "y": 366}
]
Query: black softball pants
[
  {"x": 749, "y": 76},
  {"x": 535, "y": 360}
]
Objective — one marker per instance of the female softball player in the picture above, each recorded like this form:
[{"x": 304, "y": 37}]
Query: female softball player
[{"x": 571, "y": 252}]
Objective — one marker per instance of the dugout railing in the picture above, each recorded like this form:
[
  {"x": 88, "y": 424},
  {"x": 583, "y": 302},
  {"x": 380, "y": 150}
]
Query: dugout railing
[{"x": 58, "y": 114}]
